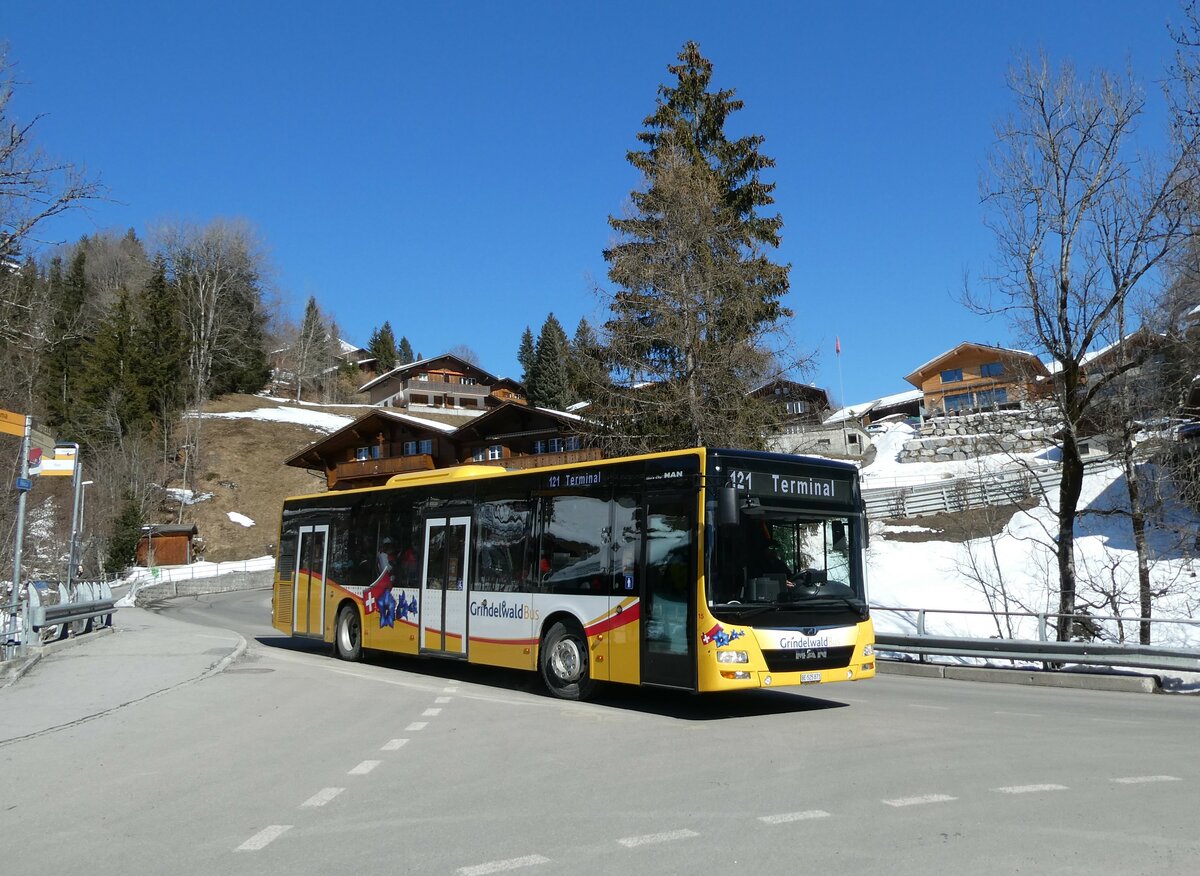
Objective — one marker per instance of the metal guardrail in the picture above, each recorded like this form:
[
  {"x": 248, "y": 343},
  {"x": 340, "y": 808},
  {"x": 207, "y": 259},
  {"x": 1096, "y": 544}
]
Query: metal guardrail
[
  {"x": 58, "y": 610},
  {"x": 1043, "y": 649}
]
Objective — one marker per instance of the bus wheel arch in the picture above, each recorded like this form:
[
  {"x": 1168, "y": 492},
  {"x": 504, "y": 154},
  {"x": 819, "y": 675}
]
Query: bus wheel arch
[
  {"x": 347, "y": 632},
  {"x": 564, "y": 660}
]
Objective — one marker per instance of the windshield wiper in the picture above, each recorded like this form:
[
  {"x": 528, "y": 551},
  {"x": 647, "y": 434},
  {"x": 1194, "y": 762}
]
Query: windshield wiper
[{"x": 747, "y": 610}]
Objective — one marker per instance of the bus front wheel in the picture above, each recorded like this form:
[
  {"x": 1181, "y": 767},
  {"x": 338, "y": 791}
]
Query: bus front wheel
[
  {"x": 348, "y": 635},
  {"x": 564, "y": 662}
]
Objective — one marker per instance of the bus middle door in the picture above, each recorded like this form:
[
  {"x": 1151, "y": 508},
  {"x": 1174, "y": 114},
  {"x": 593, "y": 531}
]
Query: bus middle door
[
  {"x": 443, "y": 603},
  {"x": 308, "y": 597}
]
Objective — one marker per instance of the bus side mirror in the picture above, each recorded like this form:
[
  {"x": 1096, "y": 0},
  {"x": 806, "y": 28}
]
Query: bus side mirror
[{"x": 727, "y": 506}]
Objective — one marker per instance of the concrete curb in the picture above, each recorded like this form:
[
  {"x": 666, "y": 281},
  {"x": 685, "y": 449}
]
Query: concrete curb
[
  {"x": 1065, "y": 679},
  {"x": 12, "y": 671}
]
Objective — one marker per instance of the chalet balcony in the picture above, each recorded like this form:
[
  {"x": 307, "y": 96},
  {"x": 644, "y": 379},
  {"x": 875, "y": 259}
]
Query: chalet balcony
[
  {"x": 381, "y": 469},
  {"x": 443, "y": 386},
  {"x": 541, "y": 460}
]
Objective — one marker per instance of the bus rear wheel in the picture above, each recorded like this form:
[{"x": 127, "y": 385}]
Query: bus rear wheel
[
  {"x": 564, "y": 662},
  {"x": 347, "y": 634}
]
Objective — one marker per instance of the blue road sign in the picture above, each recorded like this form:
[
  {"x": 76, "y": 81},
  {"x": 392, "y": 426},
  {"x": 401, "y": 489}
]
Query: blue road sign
[{"x": 24, "y": 485}]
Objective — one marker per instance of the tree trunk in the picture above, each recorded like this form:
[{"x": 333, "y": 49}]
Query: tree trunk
[{"x": 1069, "y": 489}]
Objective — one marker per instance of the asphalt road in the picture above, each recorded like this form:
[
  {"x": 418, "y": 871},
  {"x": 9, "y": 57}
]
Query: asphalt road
[{"x": 292, "y": 762}]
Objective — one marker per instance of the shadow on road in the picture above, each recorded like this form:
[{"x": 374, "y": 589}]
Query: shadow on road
[{"x": 648, "y": 700}]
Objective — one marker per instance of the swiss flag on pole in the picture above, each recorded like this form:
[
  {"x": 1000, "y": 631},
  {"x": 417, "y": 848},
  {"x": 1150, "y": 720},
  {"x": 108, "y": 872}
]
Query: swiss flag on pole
[{"x": 837, "y": 345}]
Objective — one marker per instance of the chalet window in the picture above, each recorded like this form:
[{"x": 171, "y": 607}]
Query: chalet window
[
  {"x": 478, "y": 455},
  {"x": 556, "y": 445},
  {"x": 796, "y": 407},
  {"x": 410, "y": 448},
  {"x": 469, "y": 381},
  {"x": 991, "y": 369},
  {"x": 852, "y": 438},
  {"x": 539, "y": 446},
  {"x": 425, "y": 446},
  {"x": 361, "y": 454},
  {"x": 952, "y": 375},
  {"x": 991, "y": 398},
  {"x": 957, "y": 402},
  {"x": 574, "y": 442},
  {"x": 422, "y": 377},
  {"x": 496, "y": 451}
]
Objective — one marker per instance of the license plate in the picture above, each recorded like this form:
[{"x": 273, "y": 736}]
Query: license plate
[{"x": 809, "y": 677}]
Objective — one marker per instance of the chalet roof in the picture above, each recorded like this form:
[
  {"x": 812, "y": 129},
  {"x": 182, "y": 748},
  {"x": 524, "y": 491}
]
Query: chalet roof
[
  {"x": 1003, "y": 352},
  {"x": 466, "y": 366},
  {"x": 887, "y": 401},
  {"x": 359, "y": 426},
  {"x": 510, "y": 419},
  {"x": 155, "y": 529}
]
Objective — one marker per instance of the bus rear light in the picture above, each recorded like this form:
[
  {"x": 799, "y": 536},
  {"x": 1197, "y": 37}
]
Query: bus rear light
[
  {"x": 733, "y": 657},
  {"x": 736, "y": 675}
]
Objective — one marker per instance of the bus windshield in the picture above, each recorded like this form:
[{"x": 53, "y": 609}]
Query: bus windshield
[{"x": 776, "y": 558}]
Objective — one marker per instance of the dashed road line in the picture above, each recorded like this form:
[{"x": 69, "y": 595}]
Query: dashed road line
[
  {"x": 431, "y": 713},
  {"x": 919, "y": 801},
  {"x": 322, "y": 797},
  {"x": 1018, "y": 714},
  {"x": 794, "y": 816},
  {"x": 263, "y": 837},
  {"x": 1143, "y": 780},
  {"x": 394, "y": 744},
  {"x": 631, "y": 842},
  {"x": 930, "y": 708},
  {"x": 442, "y": 700},
  {"x": 1117, "y": 721},
  {"x": 503, "y": 866},
  {"x": 450, "y": 690},
  {"x": 365, "y": 767},
  {"x": 415, "y": 726},
  {"x": 1029, "y": 789}
]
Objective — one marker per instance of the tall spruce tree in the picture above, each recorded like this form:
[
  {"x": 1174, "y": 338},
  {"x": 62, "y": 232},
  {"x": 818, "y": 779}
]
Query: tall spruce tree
[
  {"x": 383, "y": 347},
  {"x": 160, "y": 348},
  {"x": 111, "y": 398},
  {"x": 405, "y": 351},
  {"x": 548, "y": 385},
  {"x": 585, "y": 363},
  {"x": 698, "y": 300},
  {"x": 526, "y": 356},
  {"x": 62, "y": 366}
]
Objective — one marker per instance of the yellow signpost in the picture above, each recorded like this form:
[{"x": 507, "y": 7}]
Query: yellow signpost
[{"x": 12, "y": 424}]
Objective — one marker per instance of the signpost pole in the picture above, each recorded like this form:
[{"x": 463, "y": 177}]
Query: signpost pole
[{"x": 18, "y": 543}]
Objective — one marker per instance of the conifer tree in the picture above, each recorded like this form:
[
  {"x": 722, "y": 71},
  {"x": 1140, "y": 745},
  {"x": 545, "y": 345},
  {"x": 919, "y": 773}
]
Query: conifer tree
[
  {"x": 405, "y": 352},
  {"x": 526, "y": 356},
  {"x": 383, "y": 347},
  {"x": 160, "y": 348},
  {"x": 111, "y": 398},
  {"x": 123, "y": 539},
  {"x": 698, "y": 299},
  {"x": 69, "y": 294},
  {"x": 548, "y": 385},
  {"x": 585, "y": 364}
]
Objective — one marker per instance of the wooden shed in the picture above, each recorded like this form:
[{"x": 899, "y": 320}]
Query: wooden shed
[{"x": 166, "y": 544}]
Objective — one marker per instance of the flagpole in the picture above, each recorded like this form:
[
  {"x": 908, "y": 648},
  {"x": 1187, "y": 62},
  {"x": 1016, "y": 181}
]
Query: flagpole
[{"x": 837, "y": 347}]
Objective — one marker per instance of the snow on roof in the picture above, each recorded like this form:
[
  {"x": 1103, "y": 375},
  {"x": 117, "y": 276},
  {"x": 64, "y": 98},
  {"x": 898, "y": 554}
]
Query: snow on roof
[
  {"x": 393, "y": 414},
  {"x": 419, "y": 362}
]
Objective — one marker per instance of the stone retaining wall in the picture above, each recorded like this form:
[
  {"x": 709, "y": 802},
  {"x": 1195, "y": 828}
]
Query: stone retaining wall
[
  {"x": 199, "y": 586},
  {"x": 943, "y": 439}
]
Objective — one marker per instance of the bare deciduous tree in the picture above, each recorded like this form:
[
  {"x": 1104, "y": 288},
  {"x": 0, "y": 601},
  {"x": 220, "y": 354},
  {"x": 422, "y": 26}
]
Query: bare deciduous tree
[{"x": 1080, "y": 220}]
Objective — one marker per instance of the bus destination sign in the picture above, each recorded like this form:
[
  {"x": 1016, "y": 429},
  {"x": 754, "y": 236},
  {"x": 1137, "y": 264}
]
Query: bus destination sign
[{"x": 790, "y": 486}]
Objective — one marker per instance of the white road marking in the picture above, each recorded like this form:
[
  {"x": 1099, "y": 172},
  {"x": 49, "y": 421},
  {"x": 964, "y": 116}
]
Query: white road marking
[
  {"x": 794, "y": 816},
  {"x": 920, "y": 801},
  {"x": 264, "y": 836},
  {"x": 365, "y": 767},
  {"x": 630, "y": 842},
  {"x": 442, "y": 700},
  {"x": 1117, "y": 721},
  {"x": 1029, "y": 789},
  {"x": 431, "y": 713},
  {"x": 502, "y": 866},
  {"x": 322, "y": 797},
  {"x": 393, "y": 744},
  {"x": 1142, "y": 780},
  {"x": 449, "y": 690},
  {"x": 1018, "y": 714},
  {"x": 930, "y": 708},
  {"x": 415, "y": 726}
]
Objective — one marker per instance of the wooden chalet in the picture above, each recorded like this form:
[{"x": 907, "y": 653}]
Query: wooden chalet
[
  {"x": 445, "y": 384},
  {"x": 517, "y": 436},
  {"x": 974, "y": 377},
  {"x": 379, "y": 444},
  {"x": 164, "y": 544}
]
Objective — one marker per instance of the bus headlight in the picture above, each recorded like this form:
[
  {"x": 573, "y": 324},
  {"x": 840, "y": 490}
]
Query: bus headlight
[
  {"x": 732, "y": 657},
  {"x": 868, "y": 650}
]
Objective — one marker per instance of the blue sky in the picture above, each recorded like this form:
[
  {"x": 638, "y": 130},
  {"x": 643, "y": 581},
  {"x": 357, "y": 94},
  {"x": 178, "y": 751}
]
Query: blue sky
[{"x": 450, "y": 167}]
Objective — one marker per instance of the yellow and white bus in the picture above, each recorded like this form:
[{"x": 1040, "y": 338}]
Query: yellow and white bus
[{"x": 702, "y": 570}]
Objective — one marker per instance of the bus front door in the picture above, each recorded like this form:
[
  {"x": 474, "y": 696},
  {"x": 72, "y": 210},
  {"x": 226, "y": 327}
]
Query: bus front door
[
  {"x": 669, "y": 592},
  {"x": 444, "y": 585},
  {"x": 308, "y": 597}
]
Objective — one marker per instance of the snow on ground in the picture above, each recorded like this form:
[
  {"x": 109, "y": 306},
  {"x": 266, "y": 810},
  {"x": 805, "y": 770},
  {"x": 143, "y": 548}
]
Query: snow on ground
[
  {"x": 240, "y": 519},
  {"x": 1020, "y": 562},
  {"x": 320, "y": 420},
  {"x": 187, "y": 497}
]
